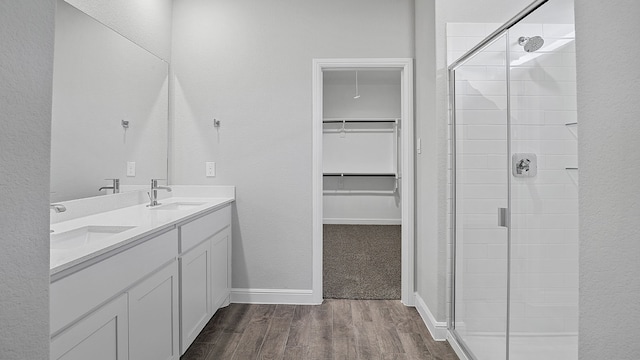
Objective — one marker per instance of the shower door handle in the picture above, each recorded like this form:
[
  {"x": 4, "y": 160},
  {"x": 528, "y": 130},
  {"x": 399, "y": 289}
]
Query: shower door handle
[{"x": 502, "y": 217}]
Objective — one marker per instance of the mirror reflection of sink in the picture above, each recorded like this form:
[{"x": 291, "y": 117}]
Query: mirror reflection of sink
[
  {"x": 178, "y": 206},
  {"x": 84, "y": 236}
]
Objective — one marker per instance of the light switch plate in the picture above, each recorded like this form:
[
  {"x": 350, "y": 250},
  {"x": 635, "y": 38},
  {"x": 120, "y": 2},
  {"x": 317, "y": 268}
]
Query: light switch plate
[
  {"x": 131, "y": 168},
  {"x": 210, "y": 167}
]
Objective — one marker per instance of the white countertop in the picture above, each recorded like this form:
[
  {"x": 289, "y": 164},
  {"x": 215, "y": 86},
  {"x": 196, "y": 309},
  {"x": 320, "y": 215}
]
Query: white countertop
[{"x": 145, "y": 221}]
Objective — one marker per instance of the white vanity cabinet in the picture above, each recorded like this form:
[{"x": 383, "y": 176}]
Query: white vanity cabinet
[
  {"x": 149, "y": 298},
  {"x": 121, "y": 307},
  {"x": 103, "y": 335},
  {"x": 205, "y": 271},
  {"x": 195, "y": 293},
  {"x": 153, "y": 316}
]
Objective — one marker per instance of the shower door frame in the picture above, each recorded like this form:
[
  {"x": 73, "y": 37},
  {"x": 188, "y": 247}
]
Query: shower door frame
[{"x": 454, "y": 337}]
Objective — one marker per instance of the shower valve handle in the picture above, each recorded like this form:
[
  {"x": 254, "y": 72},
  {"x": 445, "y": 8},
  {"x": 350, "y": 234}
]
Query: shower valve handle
[{"x": 523, "y": 166}]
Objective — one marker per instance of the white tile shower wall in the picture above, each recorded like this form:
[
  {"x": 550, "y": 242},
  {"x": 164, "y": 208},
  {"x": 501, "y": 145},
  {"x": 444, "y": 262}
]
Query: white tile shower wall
[
  {"x": 544, "y": 237},
  {"x": 544, "y": 209}
]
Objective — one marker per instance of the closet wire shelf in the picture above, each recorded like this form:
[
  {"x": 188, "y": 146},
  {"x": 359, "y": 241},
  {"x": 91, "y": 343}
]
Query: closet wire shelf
[{"x": 396, "y": 122}]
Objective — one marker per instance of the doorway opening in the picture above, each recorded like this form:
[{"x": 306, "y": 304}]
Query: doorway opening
[{"x": 363, "y": 179}]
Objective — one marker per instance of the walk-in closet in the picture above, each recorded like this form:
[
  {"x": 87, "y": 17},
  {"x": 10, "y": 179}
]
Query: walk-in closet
[{"x": 361, "y": 142}]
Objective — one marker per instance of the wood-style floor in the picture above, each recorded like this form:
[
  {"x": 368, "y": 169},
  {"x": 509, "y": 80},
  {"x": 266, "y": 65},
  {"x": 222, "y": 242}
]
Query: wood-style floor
[{"x": 337, "y": 329}]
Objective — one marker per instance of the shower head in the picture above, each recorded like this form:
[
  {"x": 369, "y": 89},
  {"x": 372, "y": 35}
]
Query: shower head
[{"x": 531, "y": 44}]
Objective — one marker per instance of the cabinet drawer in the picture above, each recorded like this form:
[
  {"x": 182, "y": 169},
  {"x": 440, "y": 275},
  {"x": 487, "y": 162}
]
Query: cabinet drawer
[
  {"x": 193, "y": 233},
  {"x": 77, "y": 294}
]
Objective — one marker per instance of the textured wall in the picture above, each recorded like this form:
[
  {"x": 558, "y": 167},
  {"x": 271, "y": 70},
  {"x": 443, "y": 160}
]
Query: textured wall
[
  {"x": 249, "y": 64},
  {"x": 609, "y": 115},
  {"x": 145, "y": 22},
  {"x": 26, "y": 63}
]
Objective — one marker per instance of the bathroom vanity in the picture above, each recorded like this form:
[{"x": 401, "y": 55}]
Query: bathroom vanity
[{"x": 137, "y": 282}]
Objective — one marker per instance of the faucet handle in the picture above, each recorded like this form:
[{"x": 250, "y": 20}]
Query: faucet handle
[
  {"x": 115, "y": 185},
  {"x": 58, "y": 208}
]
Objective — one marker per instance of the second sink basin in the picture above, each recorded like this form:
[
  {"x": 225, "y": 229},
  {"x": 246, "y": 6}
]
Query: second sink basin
[
  {"x": 178, "y": 206},
  {"x": 84, "y": 236}
]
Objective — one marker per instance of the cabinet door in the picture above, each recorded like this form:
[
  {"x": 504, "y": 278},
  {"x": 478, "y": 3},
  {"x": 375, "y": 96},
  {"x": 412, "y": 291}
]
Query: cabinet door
[
  {"x": 153, "y": 316},
  {"x": 220, "y": 268},
  {"x": 102, "y": 335},
  {"x": 195, "y": 293}
]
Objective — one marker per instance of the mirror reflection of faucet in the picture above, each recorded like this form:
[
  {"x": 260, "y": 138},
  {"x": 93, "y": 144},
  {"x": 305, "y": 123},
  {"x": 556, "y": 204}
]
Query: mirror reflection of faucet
[
  {"x": 58, "y": 208},
  {"x": 115, "y": 186},
  {"x": 153, "y": 194}
]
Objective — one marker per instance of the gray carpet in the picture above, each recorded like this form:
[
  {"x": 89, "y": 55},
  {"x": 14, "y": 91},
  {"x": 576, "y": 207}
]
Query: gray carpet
[{"x": 361, "y": 262}]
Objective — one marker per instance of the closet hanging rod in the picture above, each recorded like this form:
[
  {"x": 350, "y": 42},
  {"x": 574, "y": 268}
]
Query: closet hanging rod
[
  {"x": 360, "y": 120},
  {"x": 359, "y": 192},
  {"x": 357, "y": 121},
  {"x": 361, "y": 174}
]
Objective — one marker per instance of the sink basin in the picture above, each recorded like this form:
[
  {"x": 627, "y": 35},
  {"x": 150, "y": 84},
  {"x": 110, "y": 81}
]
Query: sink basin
[
  {"x": 84, "y": 236},
  {"x": 178, "y": 206}
]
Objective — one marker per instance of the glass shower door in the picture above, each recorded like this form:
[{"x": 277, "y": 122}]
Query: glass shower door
[
  {"x": 544, "y": 204},
  {"x": 481, "y": 189}
]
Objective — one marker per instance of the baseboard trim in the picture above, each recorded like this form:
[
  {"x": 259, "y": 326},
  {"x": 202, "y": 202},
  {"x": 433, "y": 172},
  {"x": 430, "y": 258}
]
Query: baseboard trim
[
  {"x": 273, "y": 296},
  {"x": 438, "y": 329},
  {"x": 336, "y": 221}
]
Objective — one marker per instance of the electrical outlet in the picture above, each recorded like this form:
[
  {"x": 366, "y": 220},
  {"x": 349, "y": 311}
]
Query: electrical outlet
[
  {"x": 210, "y": 168},
  {"x": 131, "y": 168}
]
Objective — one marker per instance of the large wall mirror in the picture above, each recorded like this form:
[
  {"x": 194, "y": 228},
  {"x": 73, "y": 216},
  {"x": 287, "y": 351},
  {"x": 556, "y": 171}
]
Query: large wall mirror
[{"x": 100, "y": 79}]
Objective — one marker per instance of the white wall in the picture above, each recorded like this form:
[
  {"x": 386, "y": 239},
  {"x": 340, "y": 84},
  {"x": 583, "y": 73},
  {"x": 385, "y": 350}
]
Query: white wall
[
  {"x": 249, "y": 64},
  {"x": 25, "y": 99},
  {"x": 101, "y": 78},
  {"x": 608, "y": 88},
  {"x": 145, "y": 22},
  {"x": 431, "y": 254}
]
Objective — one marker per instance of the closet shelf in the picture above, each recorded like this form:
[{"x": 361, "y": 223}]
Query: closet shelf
[
  {"x": 359, "y": 192},
  {"x": 393, "y": 176},
  {"x": 359, "y": 120},
  {"x": 362, "y": 174}
]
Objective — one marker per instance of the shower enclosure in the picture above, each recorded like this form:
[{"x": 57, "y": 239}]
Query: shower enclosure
[{"x": 515, "y": 190}]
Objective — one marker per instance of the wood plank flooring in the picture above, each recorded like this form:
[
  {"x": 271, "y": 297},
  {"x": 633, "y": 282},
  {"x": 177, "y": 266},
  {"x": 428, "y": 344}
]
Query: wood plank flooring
[{"x": 337, "y": 330}]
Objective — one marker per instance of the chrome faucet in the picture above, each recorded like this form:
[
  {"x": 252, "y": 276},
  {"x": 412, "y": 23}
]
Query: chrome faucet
[
  {"x": 115, "y": 186},
  {"x": 523, "y": 166},
  {"x": 153, "y": 194},
  {"x": 57, "y": 208}
]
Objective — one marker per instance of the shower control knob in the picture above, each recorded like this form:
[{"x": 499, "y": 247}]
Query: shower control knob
[{"x": 524, "y": 164}]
